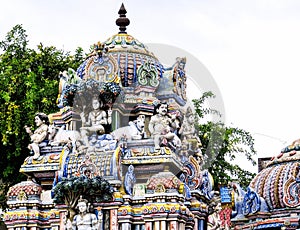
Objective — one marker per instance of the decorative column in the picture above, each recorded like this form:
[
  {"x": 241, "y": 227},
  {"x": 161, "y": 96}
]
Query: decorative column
[
  {"x": 126, "y": 226},
  {"x": 148, "y": 226},
  {"x": 200, "y": 224},
  {"x": 163, "y": 225},
  {"x": 114, "y": 219},
  {"x": 174, "y": 225},
  {"x": 156, "y": 225}
]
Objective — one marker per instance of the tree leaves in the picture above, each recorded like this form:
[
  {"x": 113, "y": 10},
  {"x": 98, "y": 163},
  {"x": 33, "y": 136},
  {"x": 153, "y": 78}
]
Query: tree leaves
[
  {"x": 222, "y": 144},
  {"x": 94, "y": 189},
  {"x": 28, "y": 84}
]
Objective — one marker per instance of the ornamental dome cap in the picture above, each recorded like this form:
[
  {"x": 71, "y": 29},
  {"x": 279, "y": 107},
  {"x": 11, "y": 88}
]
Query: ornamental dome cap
[
  {"x": 24, "y": 190},
  {"x": 280, "y": 179},
  {"x": 124, "y": 59},
  {"x": 163, "y": 182}
]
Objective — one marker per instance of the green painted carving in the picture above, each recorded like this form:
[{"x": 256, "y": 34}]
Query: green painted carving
[{"x": 148, "y": 74}]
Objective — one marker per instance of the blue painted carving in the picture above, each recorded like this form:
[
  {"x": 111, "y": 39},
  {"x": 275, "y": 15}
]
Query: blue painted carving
[
  {"x": 129, "y": 180},
  {"x": 253, "y": 203},
  {"x": 206, "y": 186},
  {"x": 239, "y": 195}
]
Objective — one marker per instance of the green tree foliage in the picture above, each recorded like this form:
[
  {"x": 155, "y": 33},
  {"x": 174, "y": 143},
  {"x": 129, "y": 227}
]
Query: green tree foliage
[
  {"x": 94, "y": 189},
  {"x": 221, "y": 145},
  {"x": 29, "y": 84}
]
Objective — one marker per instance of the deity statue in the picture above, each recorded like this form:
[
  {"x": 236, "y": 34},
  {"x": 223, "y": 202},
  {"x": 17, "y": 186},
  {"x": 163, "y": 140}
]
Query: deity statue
[
  {"x": 129, "y": 180},
  {"x": 84, "y": 220},
  {"x": 188, "y": 132},
  {"x": 179, "y": 77},
  {"x": 39, "y": 136},
  {"x": 97, "y": 119},
  {"x": 161, "y": 125}
]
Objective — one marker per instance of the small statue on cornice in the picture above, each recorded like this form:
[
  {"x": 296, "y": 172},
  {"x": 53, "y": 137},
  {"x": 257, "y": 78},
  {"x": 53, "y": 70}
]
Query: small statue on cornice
[
  {"x": 84, "y": 220},
  {"x": 39, "y": 137},
  {"x": 129, "y": 180},
  {"x": 96, "y": 120},
  {"x": 179, "y": 77},
  {"x": 188, "y": 131},
  {"x": 162, "y": 126}
]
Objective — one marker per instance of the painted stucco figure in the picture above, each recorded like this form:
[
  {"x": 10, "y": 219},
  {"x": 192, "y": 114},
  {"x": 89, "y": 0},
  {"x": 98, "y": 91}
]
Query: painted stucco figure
[
  {"x": 188, "y": 131},
  {"x": 129, "y": 180},
  {"x": 161, "y": 125},
  {"x": 84, "y": 220},
  {"x": 96, "y": 120},
  {"x": 39, "y": 136}
]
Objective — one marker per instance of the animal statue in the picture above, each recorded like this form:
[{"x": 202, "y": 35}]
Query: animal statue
[
  {"x": 61, "y": 136},
  {"x": 134, "y": 131}
]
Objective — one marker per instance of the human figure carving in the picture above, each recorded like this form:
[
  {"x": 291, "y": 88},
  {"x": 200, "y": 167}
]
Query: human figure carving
[
  {"x": 96, "y": 120},
  {"x": 188, "y": 132},
  {"x": 161, "y": 124},
  {"x": 129, "y": 180},
  {"x": 84, "y": 220},
  {"x": 39, "y": 135}
]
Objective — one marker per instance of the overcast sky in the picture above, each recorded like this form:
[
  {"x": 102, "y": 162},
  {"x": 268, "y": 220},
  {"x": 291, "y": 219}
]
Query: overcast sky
[{"x": 250, "y": 48}]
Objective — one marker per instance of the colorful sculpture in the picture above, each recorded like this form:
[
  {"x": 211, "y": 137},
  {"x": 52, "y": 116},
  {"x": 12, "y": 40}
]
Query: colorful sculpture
[
  {"x": 40, "y": 135},
  {"x": 162, "y": 126},
  {"x": 84, "y": 220},
  {"x": 120, "y": 140}
]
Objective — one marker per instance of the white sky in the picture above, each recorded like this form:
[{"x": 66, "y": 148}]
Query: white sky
[{"x": 251, "y": 48}]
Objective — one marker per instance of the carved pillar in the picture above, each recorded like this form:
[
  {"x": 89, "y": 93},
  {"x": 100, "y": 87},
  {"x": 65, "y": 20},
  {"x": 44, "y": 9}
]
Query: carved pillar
[
  {"x": 181, "y": 226},
  {"x": 163, "y": 225},
  {"x": 114, "y": 219},
  {"x": 148, "y": 226},
  {"x": 156, "y": 225},
  {"x": 200, "y": 224},
  {"x": 126, "y": 226},
  {"x": 115, "y": 120},
  {"x": 174, "y": 225},
  {"x": 196, "y": 224}
]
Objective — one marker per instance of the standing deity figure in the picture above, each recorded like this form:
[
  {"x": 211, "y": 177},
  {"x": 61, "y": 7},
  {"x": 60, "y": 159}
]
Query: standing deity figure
[
  {"x": 161, "y": 125},
  {"x": 188, "y": 132},
  {"x": 84, "y": 220},
  {"x": 129, "y": 180},
  {"x": 39, "y": 136},
  {"x": 96, "y": 120}
]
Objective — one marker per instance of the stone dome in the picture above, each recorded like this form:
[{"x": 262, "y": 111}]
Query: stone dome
[{"x": 278, "y": 183}]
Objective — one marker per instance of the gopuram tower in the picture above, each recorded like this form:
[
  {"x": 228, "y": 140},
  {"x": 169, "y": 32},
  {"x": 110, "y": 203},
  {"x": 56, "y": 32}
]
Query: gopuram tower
[{"x": 122, "y": 151}]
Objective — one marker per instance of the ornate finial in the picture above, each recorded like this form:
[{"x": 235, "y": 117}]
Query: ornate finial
[{"x": 122, "y": 21}]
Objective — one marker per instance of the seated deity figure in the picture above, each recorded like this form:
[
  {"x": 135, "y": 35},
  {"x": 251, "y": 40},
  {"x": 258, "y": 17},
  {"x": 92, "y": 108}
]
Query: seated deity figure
[
  {"x": 161, "y": 124},
  {"x": 97, "y": 119},
  {"x": 39, "y": 136},
  {"x": 84, "y": 220}
]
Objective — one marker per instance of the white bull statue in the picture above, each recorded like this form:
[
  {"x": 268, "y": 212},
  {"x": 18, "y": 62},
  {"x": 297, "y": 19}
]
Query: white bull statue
[
  {"x": 60, "y": 136},
  {"x": 134, "y": 131}
]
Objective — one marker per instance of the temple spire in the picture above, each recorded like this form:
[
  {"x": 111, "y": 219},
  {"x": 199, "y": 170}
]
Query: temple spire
[{"x": 122, "y": 21}]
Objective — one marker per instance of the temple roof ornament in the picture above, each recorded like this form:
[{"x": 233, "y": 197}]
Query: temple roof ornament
[{"x": 122, "y": 21}]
